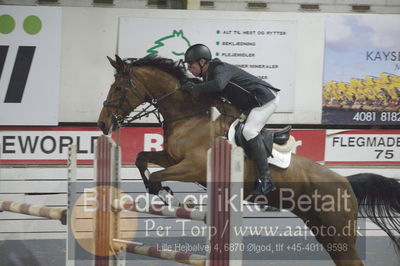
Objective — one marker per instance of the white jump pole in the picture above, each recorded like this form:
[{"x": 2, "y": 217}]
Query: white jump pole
[
  {"x": 162, "y": 210},
  {"x": 51, "y": 213}
]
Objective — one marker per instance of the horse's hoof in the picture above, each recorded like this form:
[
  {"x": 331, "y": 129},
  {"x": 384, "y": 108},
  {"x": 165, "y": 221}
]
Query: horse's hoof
[
  {"x": 189, "y": 204},
  {"x": 168, "y": 190}
]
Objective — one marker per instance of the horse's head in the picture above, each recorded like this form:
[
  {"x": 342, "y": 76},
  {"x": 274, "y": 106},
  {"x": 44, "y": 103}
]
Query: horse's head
[
  {"x": 122, "y": 98},
  {"x": 151, "y": 79}
]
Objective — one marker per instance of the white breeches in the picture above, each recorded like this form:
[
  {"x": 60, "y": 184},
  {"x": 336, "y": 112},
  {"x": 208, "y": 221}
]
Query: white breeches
[{"x": 258, "y": 117}]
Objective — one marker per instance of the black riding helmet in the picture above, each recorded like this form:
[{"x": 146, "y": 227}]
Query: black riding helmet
[{"x": 195, "y": 52}]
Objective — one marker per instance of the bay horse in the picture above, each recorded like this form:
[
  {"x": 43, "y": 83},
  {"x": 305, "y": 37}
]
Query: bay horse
[{"x": 187, "y": 138}]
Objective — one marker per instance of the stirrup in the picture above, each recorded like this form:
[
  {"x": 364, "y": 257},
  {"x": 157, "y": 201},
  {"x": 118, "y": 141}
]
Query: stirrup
[{"x": 264, "y": 186}]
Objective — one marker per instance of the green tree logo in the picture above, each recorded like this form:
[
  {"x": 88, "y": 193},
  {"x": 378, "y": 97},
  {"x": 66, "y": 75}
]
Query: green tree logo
[{"x": 175, "y": 44}]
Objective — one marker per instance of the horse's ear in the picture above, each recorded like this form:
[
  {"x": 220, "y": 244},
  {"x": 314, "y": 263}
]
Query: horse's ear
[
  {"x": 122, "y": 66},
  {"x": 119, "y": 60},
  {"x": 112, "y": 62}
]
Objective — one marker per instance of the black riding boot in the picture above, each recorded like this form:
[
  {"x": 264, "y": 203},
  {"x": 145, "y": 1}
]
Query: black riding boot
[{"x": 258, "y": 154}]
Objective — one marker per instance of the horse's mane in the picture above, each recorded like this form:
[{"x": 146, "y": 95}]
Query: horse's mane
[
  {"x": 177, "y": 70},
  {"x": 174, "y": 68}
]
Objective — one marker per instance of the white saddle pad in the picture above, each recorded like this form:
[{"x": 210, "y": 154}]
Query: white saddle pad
[{"x": 282, "y": 154}]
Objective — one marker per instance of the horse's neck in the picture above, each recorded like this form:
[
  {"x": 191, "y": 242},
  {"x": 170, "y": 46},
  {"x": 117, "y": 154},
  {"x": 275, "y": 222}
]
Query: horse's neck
[{"x": 179, "y": 104}]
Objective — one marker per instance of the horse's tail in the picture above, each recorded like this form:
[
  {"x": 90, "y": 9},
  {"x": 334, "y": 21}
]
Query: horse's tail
[{"x": 379, "y": 200}]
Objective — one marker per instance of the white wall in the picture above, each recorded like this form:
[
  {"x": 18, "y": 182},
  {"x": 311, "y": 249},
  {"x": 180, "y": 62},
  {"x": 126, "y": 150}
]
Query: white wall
[{"x": 90, "y": 34}]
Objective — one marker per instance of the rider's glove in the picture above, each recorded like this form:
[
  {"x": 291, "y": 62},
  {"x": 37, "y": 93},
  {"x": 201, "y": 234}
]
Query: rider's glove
[{"x": 188, "y": 87}]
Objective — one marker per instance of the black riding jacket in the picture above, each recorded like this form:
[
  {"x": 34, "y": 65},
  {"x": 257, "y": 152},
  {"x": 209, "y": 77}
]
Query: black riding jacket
[{"x": 241, "y": 88}]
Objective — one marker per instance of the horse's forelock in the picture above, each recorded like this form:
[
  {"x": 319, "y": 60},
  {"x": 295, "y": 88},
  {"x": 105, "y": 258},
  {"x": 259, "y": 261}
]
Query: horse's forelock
[{"x": 123, "y": 69}]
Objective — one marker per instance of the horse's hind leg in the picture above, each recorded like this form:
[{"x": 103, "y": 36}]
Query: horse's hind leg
[
  {"x": 337, "y": 235},
  {"x": 342, "y": 250},
  {"x": 160, "y": 158}
]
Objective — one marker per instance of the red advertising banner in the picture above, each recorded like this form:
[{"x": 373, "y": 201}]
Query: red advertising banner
[
  {"x": 49, "y": 145},
  {"x": 311, "y": 143}
]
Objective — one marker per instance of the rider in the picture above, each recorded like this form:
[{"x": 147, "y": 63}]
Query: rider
[{"x": 248, "y": 93}]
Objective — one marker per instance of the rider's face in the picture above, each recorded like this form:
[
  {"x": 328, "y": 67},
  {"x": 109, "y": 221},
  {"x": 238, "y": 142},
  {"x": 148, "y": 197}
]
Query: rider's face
[
  {"x": 194, "y": 68},
  {"x": 198, "y": 68}
]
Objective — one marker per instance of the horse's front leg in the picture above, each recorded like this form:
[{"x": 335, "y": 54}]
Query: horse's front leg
[{"x": 160, "y": 158}]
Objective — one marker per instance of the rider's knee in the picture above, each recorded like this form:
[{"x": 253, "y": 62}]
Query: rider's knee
[{"x": 249, "y": 133}]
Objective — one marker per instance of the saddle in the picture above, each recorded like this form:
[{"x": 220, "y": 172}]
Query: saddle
[{"x": 280, "y": 137}]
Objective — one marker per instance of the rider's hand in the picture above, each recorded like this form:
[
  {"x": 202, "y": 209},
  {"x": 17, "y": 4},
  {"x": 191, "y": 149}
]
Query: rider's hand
[{"x": 188, "y": 87}]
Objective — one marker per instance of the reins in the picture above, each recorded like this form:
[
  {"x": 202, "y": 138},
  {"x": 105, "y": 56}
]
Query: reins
[
  {"x": 186, "y": 117},
  {"x": 163, "y": 123}
]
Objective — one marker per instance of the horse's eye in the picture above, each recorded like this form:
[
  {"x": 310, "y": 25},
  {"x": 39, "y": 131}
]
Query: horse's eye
[{"x": 118, "y": 88}]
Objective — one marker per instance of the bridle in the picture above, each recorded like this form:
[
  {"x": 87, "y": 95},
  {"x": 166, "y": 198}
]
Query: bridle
[
  {"x": 118, "y": 104},
  {"x": 120, "y": 120}
]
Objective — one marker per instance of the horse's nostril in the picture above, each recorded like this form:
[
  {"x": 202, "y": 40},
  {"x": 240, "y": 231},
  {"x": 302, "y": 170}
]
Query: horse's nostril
[{"x": 101, "y": 125}]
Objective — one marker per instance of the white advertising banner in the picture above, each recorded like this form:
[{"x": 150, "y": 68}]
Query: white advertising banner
[
  {"x": 30, "y": 45},
  {"x": 46, "y": 145},
  {"x": 369, "y": 147},
  {"x": 263, "y": 48},
  {"x": 49, "y": 145}
]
